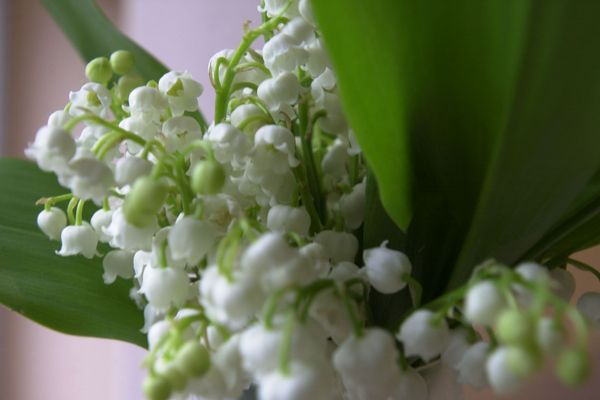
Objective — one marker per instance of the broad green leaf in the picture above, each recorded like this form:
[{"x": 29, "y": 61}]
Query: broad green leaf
[
  {"x": 493, "y": 104},
  {"x": 550, "y": 148},
  {"x": 93, "y": 35},
  {"x": 358, "y": 35},
  {"x": 63, "y": 293},
  {"x": 426, "y": 86}
]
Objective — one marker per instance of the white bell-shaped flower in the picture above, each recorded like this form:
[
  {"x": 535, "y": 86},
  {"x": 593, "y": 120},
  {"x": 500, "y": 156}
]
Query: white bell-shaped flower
[
  {"x": 368, "y": 364},
  {"x": 345, "y": 271},
  {"x": 550, "y": 335},
  {"x": 500, "y": 376},
  {"x": 288, "y": 219},
  {"x": 91, "y": 98},
  {"x": 563, "y": 282},
  {"x": 227, "y": 359},
  {"x": 59, "y": 118},
  {"x": 299, "y": 30},
  {"x": 335, "y": 160},
  {"x": 128, "y": 169},
  {"x": 91, "y": 179},
  {"x": 231, "y": 302},
  {"x": 318, "y": 59},
  {"x": 139, "y": 124},
  {"x": 191, "y": 239},
  {"x": 165, "y": 287},
  {"x": 318, "y": 258},
  {"x": 283, "y": 90},
  {"x": 274, "y": 8},
  {"x": 156, "y": 332},
  {"x": 424, "y": 335},
  {"x": 100, "y": 221},
  {"x": 304, "y": 382},
  {"x": 386, "y": 268},
  {"x": 305, "y": 9},
  {"x": 282, "y": 54},
  {"x": 274, "y": 148},
  {"x": 126, "y": 236},
  {"x": 181, "y": 91},
  {"x": 471, "y": 369},
  {"x": 244, "y": 112},
  {"x": 162, "y": 253},
  {"x": 117, "y": 263},
  {"x": 589, "y": 305},
  {"x": 458, "y": 344},
  {"x": 147, "y": 103},
  {"x": 180, "y": 131},
  {"x": 411, "y": 385},
  {"x": 268, "y": 251},
  {"x": 533, "y": 272},
  {"x": 52, "y": 149},
  {"x": 229, "y": 144},
  {"x": 52, "y": 222},
  {"x": 352, "y": 206},
  {"x": 78, "y": 239},
  {"x": 340, "y": 246},
  {"x": 483, "y": 303},
  {"x": 329, "y": 311},
  {"x": 259, "y": 348}
]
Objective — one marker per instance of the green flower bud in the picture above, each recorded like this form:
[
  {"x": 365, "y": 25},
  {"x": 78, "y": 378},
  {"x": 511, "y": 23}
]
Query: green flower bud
[
  {"x": 521, "y": 361},
  {"x": 156, "y": 388},
  {"x": 573, "y": 367},
  {"x": 193, "y": 359},
  {"x": 514, "y": 327},
  {"x": 126, "y": 84},
  {"x": 121, "y": 62},
  {"x": 144, "y": 200},
  {"x": 208, "y": 177},
  {"x": 175, "y": 377},
  {"x": 98, "y": 70}
]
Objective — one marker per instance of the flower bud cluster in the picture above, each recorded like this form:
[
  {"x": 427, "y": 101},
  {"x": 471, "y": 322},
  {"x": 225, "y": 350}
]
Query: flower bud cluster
[{"x": 240, "y": 238}]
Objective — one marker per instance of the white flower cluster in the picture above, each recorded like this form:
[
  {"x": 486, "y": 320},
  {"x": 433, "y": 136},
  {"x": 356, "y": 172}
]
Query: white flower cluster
[{"x": 239, "y": 236}]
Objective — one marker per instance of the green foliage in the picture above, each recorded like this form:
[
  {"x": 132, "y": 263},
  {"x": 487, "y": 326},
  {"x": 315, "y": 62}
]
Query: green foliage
[
  {"x": 63, "y": 293},
  {"x": 480, "y": 122}
]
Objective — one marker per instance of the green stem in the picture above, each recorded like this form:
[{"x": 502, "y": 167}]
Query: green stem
[
  {"x": 286, "y": 344},
  {"x": 584, "y": 267},
  {"x": 79, "y": 214},
  {"x": 71, "y": 208},
  {"x": 224, "y": 91},
  {"x": 101, "y": 121},
  {"x": 347, "y": 301}
]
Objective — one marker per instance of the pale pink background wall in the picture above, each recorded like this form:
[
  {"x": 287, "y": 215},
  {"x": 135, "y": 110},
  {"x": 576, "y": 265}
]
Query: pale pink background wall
[{"x": 36, "y": 363}]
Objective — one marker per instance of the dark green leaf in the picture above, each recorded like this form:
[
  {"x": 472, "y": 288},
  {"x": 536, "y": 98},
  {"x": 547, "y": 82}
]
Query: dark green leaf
[
  {"x": 549, "y": 148},
  {"x": 490, "y": 107},
  {"x": 63, "y": 293}
]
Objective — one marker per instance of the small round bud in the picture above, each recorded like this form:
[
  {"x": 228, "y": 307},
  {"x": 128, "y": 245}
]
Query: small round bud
[
  {"x": 386, "y": 268},
  {"x": 193, "y": 359},
  {"x": 573, "y": 367},
  {"x": 98, "y": 70},
  {"x": 126, "y": 84},
  {"x": 208, "y": 177},
  {"x": 175, "y": 377},
  {"x": 521, "y": 361},
  {"x": 156, "y": 388},
  {"x": 514, "y": 327},
  {"x": 121, "y": 61},
  {"x": 143, "y": 201}
]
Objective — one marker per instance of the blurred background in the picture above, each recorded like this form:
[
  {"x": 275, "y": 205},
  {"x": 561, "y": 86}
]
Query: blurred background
[{"x": 38, "y": 68}]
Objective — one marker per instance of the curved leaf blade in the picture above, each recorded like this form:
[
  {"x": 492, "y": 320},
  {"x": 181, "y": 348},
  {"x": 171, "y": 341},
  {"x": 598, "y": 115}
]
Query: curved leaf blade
[{"x": 63, "y": 293}]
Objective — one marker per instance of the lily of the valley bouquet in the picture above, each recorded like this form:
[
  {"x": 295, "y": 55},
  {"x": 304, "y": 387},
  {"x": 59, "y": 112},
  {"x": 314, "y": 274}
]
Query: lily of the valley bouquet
[{"x": 383, "y": 206}]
